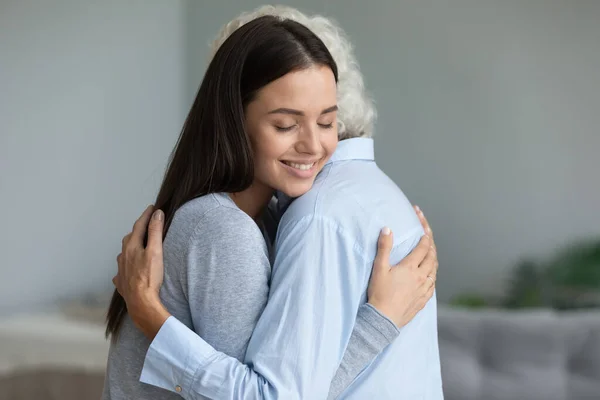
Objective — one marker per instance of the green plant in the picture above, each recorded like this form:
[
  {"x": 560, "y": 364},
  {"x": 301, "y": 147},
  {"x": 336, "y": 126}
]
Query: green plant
[
  {"x": 470, "y": 300},
  {"x": 574, "y": 274},
  {"x": 569, "y": 279}
]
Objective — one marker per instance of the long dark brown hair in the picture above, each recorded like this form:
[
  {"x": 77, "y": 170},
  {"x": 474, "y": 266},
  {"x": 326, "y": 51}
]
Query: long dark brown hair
[{"x": 213, "y": 153}]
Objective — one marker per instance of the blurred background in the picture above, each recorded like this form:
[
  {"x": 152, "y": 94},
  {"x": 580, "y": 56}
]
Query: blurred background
[{"x": 489, "y": 119}]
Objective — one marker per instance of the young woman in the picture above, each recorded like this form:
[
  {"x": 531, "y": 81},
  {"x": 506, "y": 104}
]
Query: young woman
[{"x": 264, "y": 120}]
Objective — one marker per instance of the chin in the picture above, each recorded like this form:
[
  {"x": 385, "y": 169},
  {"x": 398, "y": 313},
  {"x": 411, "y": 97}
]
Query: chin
[{"x": 296, "y": 190}]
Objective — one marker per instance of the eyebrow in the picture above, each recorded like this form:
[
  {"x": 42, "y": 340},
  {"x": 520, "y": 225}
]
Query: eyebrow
[{"x": 298, "y": 112}]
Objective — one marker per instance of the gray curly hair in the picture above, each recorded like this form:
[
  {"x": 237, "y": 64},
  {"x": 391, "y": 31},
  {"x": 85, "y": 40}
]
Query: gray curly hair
[{"x": 356, "y": 114}]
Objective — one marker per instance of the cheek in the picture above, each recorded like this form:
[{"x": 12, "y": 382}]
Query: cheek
[
  {"x": 268, "y": 148},
  {"x": 330, "y": 143}
]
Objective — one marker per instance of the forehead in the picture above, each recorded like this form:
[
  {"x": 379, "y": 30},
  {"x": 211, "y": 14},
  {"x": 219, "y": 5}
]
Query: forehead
[{"x": 308, "y": 89}]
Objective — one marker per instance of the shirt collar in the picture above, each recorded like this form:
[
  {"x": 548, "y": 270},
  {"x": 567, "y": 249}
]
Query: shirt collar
[
  {"x": 347, "y": 149},
  {"x": 353, "y": 149}
]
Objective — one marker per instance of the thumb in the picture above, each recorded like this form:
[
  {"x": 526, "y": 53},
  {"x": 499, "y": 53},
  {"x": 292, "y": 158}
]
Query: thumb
[
  {"x": 155, "y": 231},
  {"x": 384, "y": 248}
]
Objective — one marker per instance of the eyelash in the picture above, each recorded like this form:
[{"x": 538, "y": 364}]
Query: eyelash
[
  {"x": 289, "y": 128},
  {"x": 284, "y": 129}
]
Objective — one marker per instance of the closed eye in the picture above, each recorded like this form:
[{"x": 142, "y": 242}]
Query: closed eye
[
  {"x": 285, "y": 128},
  {"x": 326, "y": 126}
]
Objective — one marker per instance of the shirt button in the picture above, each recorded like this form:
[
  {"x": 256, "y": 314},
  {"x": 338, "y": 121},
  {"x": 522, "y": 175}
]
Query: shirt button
[{"x": 178, "y": 389}]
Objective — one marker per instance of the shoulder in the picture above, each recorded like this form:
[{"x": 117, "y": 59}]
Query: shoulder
[
  {"x": 357, "y": 200},
  {"x": 214, "y": 221},
  {"x": 327, "y": 204},
  {"x": 310, "y": 232}
]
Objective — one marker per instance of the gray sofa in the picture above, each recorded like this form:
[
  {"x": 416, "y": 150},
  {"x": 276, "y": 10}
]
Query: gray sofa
[
  {"x": 485, "y": 355},
  {"x": 519, "y": 355}
]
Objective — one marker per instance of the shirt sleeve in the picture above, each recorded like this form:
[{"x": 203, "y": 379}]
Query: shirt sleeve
[
  {"x": 318, "y": 280},
  {"x": 372, "y": 333},
  {"x": 301, "y": 336},
  {"x": 296, "y": 347}
]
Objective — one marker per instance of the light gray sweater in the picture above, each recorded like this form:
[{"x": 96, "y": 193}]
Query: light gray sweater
[{"x": 216, "y": 282}]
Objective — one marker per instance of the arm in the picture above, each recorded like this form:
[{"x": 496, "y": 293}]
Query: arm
[
  {"x": 224, "y": 278},
  {"x": 372, "y": 333},
  {"x": 139, "y": 266},
  {"x": 210, "y": 373},
  {"x": 368, "y": 336},
  {"x": 311, "y": 310},
  {"x": 412, "y": 281},
  {"x": 301, "y": 336}
]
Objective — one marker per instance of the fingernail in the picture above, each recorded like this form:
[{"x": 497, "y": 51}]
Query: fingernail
[
  {"x": 386, "y": 231},
  {"x": 418, "y": 208},
  {"x": 158, "y": 215}
]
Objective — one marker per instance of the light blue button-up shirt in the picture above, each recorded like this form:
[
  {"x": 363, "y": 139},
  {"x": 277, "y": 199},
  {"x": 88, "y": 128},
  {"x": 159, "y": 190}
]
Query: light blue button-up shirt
[{"x": 324, "y": 251}]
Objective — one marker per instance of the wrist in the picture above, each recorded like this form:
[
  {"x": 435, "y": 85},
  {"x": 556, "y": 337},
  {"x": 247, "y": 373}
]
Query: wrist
[
  {"x": 383, "y": 310},
  {"x": 148, "y": 314}
]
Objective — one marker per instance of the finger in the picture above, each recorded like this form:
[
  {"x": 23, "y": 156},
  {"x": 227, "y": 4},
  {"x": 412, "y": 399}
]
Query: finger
[
  {"x": 428, "y": 295},
  {"x": 427, "y": 281},
  {"x": 424, "y": 299},
  {"x": 429, "y": 264},
  {"x": 430, "y": 281},
  {"x": 416, "y": 256},
  {"x": 155, "y": 232},
  {"x": 424, "y": 221},
  {"x": 384, "y": 248},
  {"x": 139, "y": 228},
  {"x": 425, "y": 224},
  {"x": 115, "y": 281},
  {"x": 424, "y": 291},
  {"x": 125, "y": 241},
  {"x": 434, "y": 277}
]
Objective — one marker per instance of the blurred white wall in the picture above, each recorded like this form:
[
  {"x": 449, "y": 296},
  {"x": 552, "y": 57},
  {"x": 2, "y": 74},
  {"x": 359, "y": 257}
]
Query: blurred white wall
[
  {"x": 489, "y": 116},
  {"x": 91, "y": 103},
  {"x": 490, "y": 120}
]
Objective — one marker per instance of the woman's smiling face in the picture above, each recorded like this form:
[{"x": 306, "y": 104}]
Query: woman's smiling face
[{"x": 292, "y": 125}]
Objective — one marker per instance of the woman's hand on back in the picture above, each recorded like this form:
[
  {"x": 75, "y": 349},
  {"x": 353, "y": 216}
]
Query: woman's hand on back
[
  {"x": 141, "y": 272},
  {"x": 401, "y": 291}
]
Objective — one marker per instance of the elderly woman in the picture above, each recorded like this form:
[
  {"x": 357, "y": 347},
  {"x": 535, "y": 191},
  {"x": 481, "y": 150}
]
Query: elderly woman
[{"x": 267, "y": 118}]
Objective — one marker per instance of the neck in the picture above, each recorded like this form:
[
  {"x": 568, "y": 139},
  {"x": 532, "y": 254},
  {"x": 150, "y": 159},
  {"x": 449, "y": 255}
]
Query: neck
[{"x": 253, "y": 200}]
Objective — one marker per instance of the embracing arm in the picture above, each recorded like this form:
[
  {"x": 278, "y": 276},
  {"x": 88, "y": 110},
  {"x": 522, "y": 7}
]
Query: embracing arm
[
  {"x": 299, "y": 341},
  {"x": 187, "y": 362},
  {"x": 180, "y": 360}
]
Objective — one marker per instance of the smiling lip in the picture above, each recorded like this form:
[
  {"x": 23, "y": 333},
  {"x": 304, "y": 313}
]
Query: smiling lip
[{"x": 302, "y": 170}]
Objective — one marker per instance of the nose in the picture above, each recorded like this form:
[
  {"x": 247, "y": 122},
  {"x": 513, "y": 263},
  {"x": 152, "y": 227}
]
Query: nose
[{"x": 309, "y": 141}]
